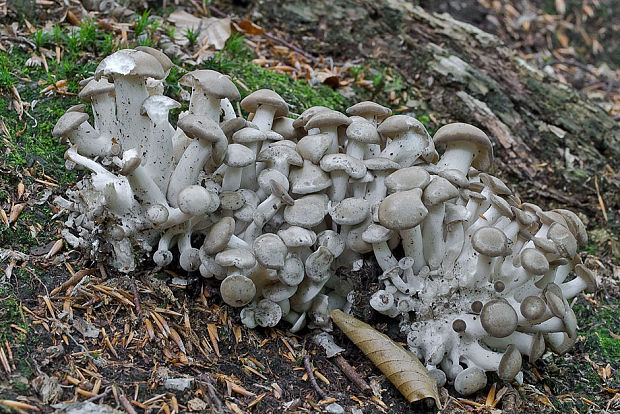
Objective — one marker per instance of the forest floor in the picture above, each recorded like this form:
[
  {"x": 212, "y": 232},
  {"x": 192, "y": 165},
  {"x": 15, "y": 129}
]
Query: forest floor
[{"x": 108, "y": 340}]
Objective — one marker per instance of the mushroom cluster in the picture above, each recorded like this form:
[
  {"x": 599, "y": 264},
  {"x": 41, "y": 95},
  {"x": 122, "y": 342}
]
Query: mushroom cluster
[{"x": 272, "y": 206}]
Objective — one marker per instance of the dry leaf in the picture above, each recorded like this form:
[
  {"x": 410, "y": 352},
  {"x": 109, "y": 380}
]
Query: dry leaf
[
  {"x": 400, "y": 366},
  {"x": 248, "y": 27},
  {"x": 216, "y": 31}
]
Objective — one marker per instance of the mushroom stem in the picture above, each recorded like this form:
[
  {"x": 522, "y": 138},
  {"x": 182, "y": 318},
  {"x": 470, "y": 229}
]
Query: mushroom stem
[
  {"x": 104, "y": 113},
  {"x": 229, "y": 110},
  {"x": 263, "y": 118},
  {"x": 413, "y": 246},
  {"x": 130, "y": 93},
  {"x": 454, "y": 245},
  {"x": 187, "y": 170},
  {"x": 432, "y": 235},
  {"x": 458, "y": 156},
  {"x": 232, "y": 178},
  {"x": 338, "y": 191},
  {"x": 203, "y": 104}
]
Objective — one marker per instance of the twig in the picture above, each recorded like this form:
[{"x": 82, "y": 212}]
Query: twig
[
  {"x": 214, "y": 400},
  {"x": 600, "y": 199},
  {"x": 136, "y": 296},
  {"x": 313, "y": 378},
  {"x": 352, "y": 374},
  {"x": 73, "y": 280},
  {"x": 126, "y": 404},
  {"x": 100, "y": 396}
]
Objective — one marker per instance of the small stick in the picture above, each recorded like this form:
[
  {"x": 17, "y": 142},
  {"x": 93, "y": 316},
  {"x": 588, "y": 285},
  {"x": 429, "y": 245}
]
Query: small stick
[
  {"x": 100, "y": 396},
  {"x": 126, "y": 404},
  {"x": 136, "y": 296},
  {"x": 352, "y": 374},
  {"x": 73, "y": 280},
  {"x": 313, "y": 378},
  {"x": 214, "y": 400}
]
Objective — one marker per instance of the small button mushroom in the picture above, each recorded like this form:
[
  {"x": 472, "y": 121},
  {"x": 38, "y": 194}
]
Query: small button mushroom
[
  {"x": 100, "y": 95},
  {"x": 498, "y": 318},
  {"x": 370, "y": 111},
  {"x": 563, "y": 239},
  {"x": 208, "y": 89},
  {"x": 266, "y": 105},
  {"x": 313, "y": 147},
  {"x": 308, "y": 179},
  {"x": 74, "y": 126},
  {"x": 280, "y": 157},
  {"x": 380, "y": 169},
  {"x": 196, "y": 200},
  {"x": 237, "y": 290},
  {"x": 360, "y": 135},
  {"x": 267, "y": 313},
  {"x": 490, "y": 243},
  {"x": 341, "y": 167},
  {"x": 219, "y": 236},
  {"x": 270, "y": 251},
  {"x": 533, "y": 308},
  {"x": 328, "y": 122},
  {"x": 470, "y": 380},
  {"x": 237, "y": 157},
  {"x": 305, "y": 116},
  {"x": 408, "y": 178},
  {"x": 409, "y": 139},
  {"x": 465, "y": 145},
  {"x": 378, "y": 236}
]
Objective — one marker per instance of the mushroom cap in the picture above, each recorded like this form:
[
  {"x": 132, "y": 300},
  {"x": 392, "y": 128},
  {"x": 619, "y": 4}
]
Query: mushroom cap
[
  {"x": 265, "y": 97},
  {"x": 307, "y": 114},
  {"x": 381, "y": 164},
  {"x": 270, "y": 251},
  {"x": 96, "y": 87},
  {"x": 318, "y": 263},
  {"x": 332, "y": 240},
  {"x": 342, "y": 162},
  {"x": 363, "y": 132},
  {"x": 402, "y": 210},
  {"x": 555, "y": 300},
  {"x": 534, "y": 261},
  {"x": 575, "y": 225},
  {"x": 219, "y": 235},
  {"x": 77, "y": 108},
  {"x": 267, "y": 313},
  {"x": 350, "y": 211},
  {"x": 162, "y": 257},
  {"x": 454, "y": 213},
  {"x": 537, "y": 349},
  {"x": 308, "y": 211},
  {"x": 279, "y": 152},
  {"x": 231, "y": 126},
  {"x": 202, "y": 128},
  {"x": 157, "y": 106},
  {"x": 367, "y": 109},
  {"x": 238, "y": 156},
  {"x": 161, "y": 57},
  {"x": 213, "y": 83},
  {"x": 476, "y": 307},
  {"x": 397, "y": 125},
  {"x": 533, "y": 308},
  {"x": 248, "y": 135},
  {"x": 240, "y": 258},
  {"x": 326, "y": 119},
  {"x": 549, "y": 218},
  {"x": 588, "y": 277},
  {"x": 459, "y": 132},
  {"x": 377, "y": 234},
  {"x": 237, "y": 290},
  {"x": 197, "y": 200},
  {"x": 545, "y": 245},
  {"x": 313, "y": 147},
  {"x": 501, "y": 205},
  {"x": 563, "y": 239},
  {"x": 495, "y": 184},
  {"x": 231, "y": 200},
  {"x": 129, "y": 62},
  {"x": 525, "y": 218},
  {"x": 490, "y": 241},
  {"x": 284, "y": 126},
  {"x": 278, "y": 291},
  {"x": 296, "y": 236},
  {"x": 407, "y": 179},
  {"x": 438, "y": 191},
  {"x": 292, "y": 273},
  {"x": 470, "y": 380},
  {"x": 456, "y": 177},
  {"x": 69, "y": 122},
  {"x": 268, "y": 175},
  {"x": 189, "y": 260},
  {"x": 498, "y": 318},
  {"x": 510, "y": 364},
  {"x": 310, "y": 178}
]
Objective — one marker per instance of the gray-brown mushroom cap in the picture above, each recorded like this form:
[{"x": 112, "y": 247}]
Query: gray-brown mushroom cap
[
  {"x": 555, "y": 300},
  {"x": 238, "y": 156},
  {"x": 237, "y": 290},
  {"x": 470, "y": 381},
  {"x": 296, "y": 236},
  {"x": 305, "y": 116},
  {"x": 456, "y": 132},
  {"x": 284, "y": 126},
  {"x": 533, "y": 308},
  {"x": 219, "y": 235},
  {"x": 534, "y": 261},
  {"x": 377, "y": 234},
  {"x": 129, "y": 62},
  {"x": 218, "y": 85},
  {"x": 161, "y": 57},
  {"x": 239, "y": 258},
  {"x": 369, "y": 109},
  {"x": 498, "y": 318},
  {"x": 283, "y": 152},
  {"x": 439, "y": 190},
  {"x": 455, "y": 177},
  {"x": 364, "y": 132},
  {"x": 95, "y": 88},
  {"x": 308, "y": 211},
  {"x": 399, "y": 124},
  {"x": 270, "y": 251},
  {"x": 70, "y": 121},
  {"x": 510, "y": 364},
  {"x": 402, "y": 210},
  {"x": 490, "y": 241},
  {"x": 342, "y": 162},
  {"x": 313, "y": 147},
  {"x": 248, "y": 135},
  {"x": 326, "y": 119},
  {"x": 381, "y": 164},
  {"x": 407, "y": 179},
  {"x": 587, "y": 276},
  {"x": 575, "y": 225},
  {"x": 350, "y": 211},
  {"x": 266, "y": 97},
  {"x": 563, "y": 239},
  {"x": 202, "y": 128}
]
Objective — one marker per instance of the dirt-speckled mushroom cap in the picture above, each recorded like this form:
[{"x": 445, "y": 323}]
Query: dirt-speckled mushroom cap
[
  {"x": 216, "y": 84},
  {"x": 203, "y": 128},
  {"x": 545, "y": 245},
  {"x": 305, "y": 116},
  {"x": 284, "y": 126},
  {"x": 267, "y": 313},
  {"x": 238, "y": 156},
  {"x": 587, "y": 276},
  {"x": 537, "y": 349},
  {"x": 490, "y": 241},
  {"x": 69, "y": 122},
  {"x": 498, "y": 318},
  {"x": 284, "y": 152},
  {"x": 402, "y": 210},
  {"x": 308, "y": 211},
  {"x": 510, "y": 364},
  {"x": 197, "y": 200},
  {"x": 439, "y": 190},
  {"x": 327, "y": 119},
  {"x": 363, "y": 131},
  {"x": 129, "y": 62},
  {"x": 270, "y": 251},
  {"x": 278, "y": 292},
  {"x": 313, "y": 147},
  {"x": 342, "y": 162},
  {"x": 397, "y": 125},
  {"x": 575, "y": 225},
  {"x": 381, "y": 164},
  {"x": 377, "y": 234},
  {"x": 350, "y": 211},
  {"x": 231, "y": 200},
  {"x": 459, "y": 132},
  {"x": 534, "y": 261},
  {"x": 533, "y": 308},
  {"x": 555, "y": 300},
  {"x": 563, "y": 239},
  {"x": 237, "y": 290},
  {"x": 407, "y": 179},
  {"x": 219, "y": 235},
  {"x": 95, "y": 88},
  {"x": 161, "y": 57},
  {"x": 292, "y": 273},
  {"x": 456, "y": 177},
  {"x": 248, "y": 135},
  {"x": 470, "y": 380},
  {"x": 310, "y": 178},
  {"x": 265, "y": 97},
  {"x": 239, "y": 258},
  {"x": 368, "y": 109},
  {"x": 332, "y": 240},
  {"x": 296, "y": 236},
  {"x": 502, "y": 206}
]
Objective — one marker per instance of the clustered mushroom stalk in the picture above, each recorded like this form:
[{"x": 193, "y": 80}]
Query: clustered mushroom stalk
[{"x": 271, "y": 207}]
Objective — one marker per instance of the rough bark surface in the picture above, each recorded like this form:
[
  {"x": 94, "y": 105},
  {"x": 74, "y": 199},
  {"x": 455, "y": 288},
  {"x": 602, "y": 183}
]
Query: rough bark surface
[{"x": 547, "y": 136}]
